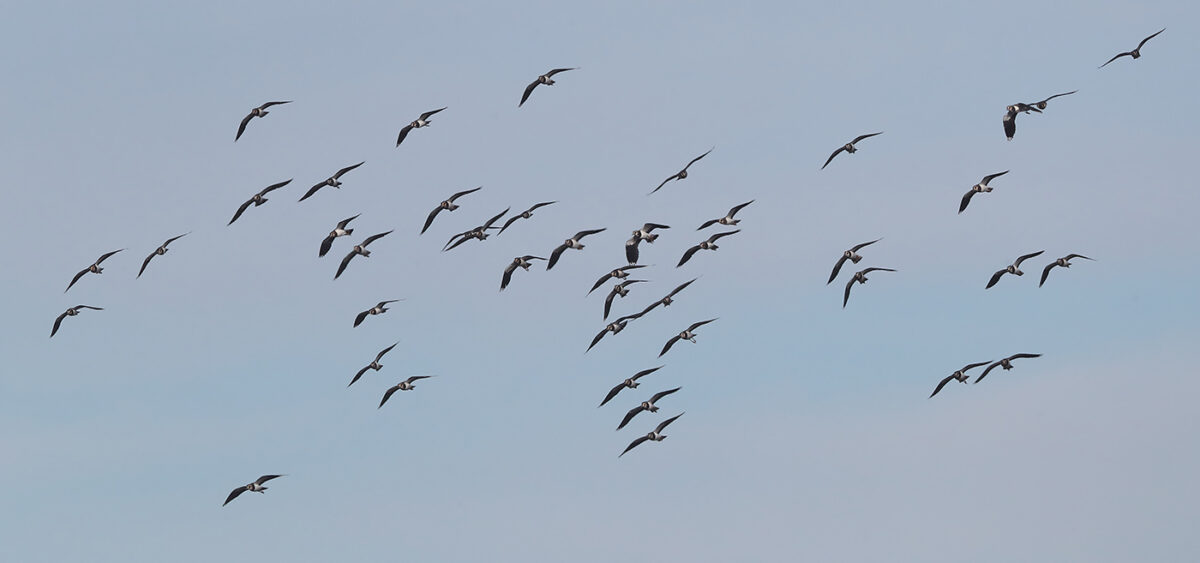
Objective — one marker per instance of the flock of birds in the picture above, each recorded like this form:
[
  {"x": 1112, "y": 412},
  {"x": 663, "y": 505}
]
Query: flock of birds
[{"x": 646, "y": 233}]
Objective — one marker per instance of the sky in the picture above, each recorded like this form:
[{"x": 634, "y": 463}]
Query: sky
[{"x": 809, "y": 433}]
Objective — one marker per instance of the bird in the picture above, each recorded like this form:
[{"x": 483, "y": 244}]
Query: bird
[
  {"x": 331, "y": 181},
  {"x": 94, "y": 268},
  {"x": 621, "y": 289},
  {"x": 376, "y": 310},
  {"x": 339, "y": 231},
  {"x": 522, "y": 262},
  {"x": 258, "y": 199},
  {"x": 682, "y": 173},
  {"x": 619, "y": 273},
  {"x": 406, "y": 385},
  {"x": 375, "y": 365},
  {"x": 860, "y": 277},
  {"x": 645, "y": 406},
  {"x": 259, "y": 111},
  {"x": 629, "y": 383},
  {"x": 71, "y": 312},
  {"x": 1042, "y": 104},
  {"x": 447, "y": 204},
  {"x": 639, "y": 235},
  {"x": 358, "y": 250},
  {"x": 572, "y": 242},
  {"x": 1136, "y": 53},
  {"x": 851, "y": 255},
  {"x": 613, "y": 327},
  {"x": 523, "y": 215},
  {"x": 480, "y": 232},
  {"x": 688, "y": 334},
  {"x": 656, "y": 435},
  {"x": 256, "y": 487},
  {"x": 1010, "y": 118},
  {"x": 1014, "y": 268},
  {"x": 727, "y": 219},
  {"x": 1065, "y": 262},
  {"x": 849, "y": 147},
  {"x": 981, "y": 187},
  {"x": 960, "y": 375},
  {"x": 709, "y": 244},
  {"x": 422, "y": 121},
  {"x": 543, "y": 79},
  {"x": 1005, "y": 363},
  {"x": 669, "y": 298},
  {"x": 159, "y": 252}
]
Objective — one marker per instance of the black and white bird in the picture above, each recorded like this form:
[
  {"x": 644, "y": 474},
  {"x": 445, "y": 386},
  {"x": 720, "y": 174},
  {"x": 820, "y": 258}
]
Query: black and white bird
[
  {"x": 1136, "y": 53},
  {"x": 1042, "y": 104},
  {"x": 860, "y": 277},
  {"x": 71, "y": 312},
  {"x": 1006, "y": 364},
  {"x": 422, "y": 121},
  {"x": 1014, "y": 268},
  {"x": 331, "y": 181},
  {"x": 710, "y": 244},
  {"x": 255, "y": 487},
  {"x": 655, "y": 436},
  {"x": 543, "y": 79},
  {"x": 629, "y": 383},
  {"x": 375, "y": 365},
  {"x": 981, "y": 187},
  {"x": 688, "y": 334},
  {"x": 478, "y": 233},
  {"x": 260, "y": 111},
  {"x": 376, "y": 310},
  {"x": 849, "y": 147},
  {"x": 1064, "y": 262},
  {"x": 93, "y": 269},
  {"x": 621, "y": 289},
  {"x": 339, "y": 231},
  {"x": 960, "y": 376},
  {"x": 522, "y": 262},
  {"x": 358, "y": 250},
  {"x": 645, "y": 406},
  {"x": 728, "y": 219},
  {"x": 448, "y": 205},
  {"x": 669, "y": 298},
  {"x": 619, "y": 273},
  {"x": 524, "y": 215},
  {"x": 406, "y": 385},
  {"x": 158, "y": 252},
  {"x": 613, "y": 327},
  {"x": 639, "y": 235},
  {"x": 851, "y": 255},
  {"x": 682, "y": 174},
  {"x": 1010, "y": 118},
  {"x": 572, "y": 242},
  {"x": 258, "y": 199}
]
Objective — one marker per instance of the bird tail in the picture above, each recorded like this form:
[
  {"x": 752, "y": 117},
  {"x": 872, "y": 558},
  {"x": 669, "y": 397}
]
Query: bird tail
[{"x": 349, "y": 232}]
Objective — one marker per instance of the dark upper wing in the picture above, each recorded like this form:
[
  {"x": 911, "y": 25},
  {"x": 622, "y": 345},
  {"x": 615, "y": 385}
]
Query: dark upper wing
[
  {"x": 631, "y": 249},
  {"x": 634, "y": 444},
  {"x": 1010, "y": 124},
  {"x": 985, "y": 372},
  {"x": 147, "y": 261},
  {"x": 830, "y": 159},
  {"x": 508, "y": 272},
  {"x": 733, "y": 210},
  {"x": 388, "y": 395},
  {"x": 664, "y": 424},
  {"x": 867, "y": 136},
  {"x": 359, "y": 319},
  {"x": 173, "y": 239},
  {"x": 497, "y": 217},
  {"x": 644, "y": 373},
  {"x": 274, "y": 187},
  {"x": 579, "y": 236},
  {"x": 537, "y": 205},
  {"x": 1019, "y": 356},
  {"x": 413, "y": 378},
  {"x": 681, "y": 287},
  {"x": 462, "y": 237},
  {"x": 239, "y": 211},
  {"x": 269, "y": 104},
  {"x": 105, "y": 256},
  {"x": 608, "y": 303},
  {"x": 358, "y": 375},
  {"x": 597, "y": 338},
  {"x": 995, "y": 278},
  {"x": 697, "y": 325},
  {"x": 375, "y": 237},
  {"x": 629, "y": 416},
  {"x": 836, "y": 268},
  {"x": 463, "y": 193},
  {"x": 858, "y": 247},
  {"x": 687, "y": 255},
  {"x": 342, "y": 224},
  {"x": 718, "y": 236},
  {"x": 528, "y": 90},
  {"x": 612, "y": 393},
  {"x": 234, "y": 494},
  {"x": 1046, "y": 272},
  {"x": 429, "y": 220},
  {"x": 326, "y": 245},
  {"x": 846, "y": 296},
  {"x": 426, "y": 115},
  {"x": 990, "y": 177},
  {"x": 242, "y": 127},
  {"x": 1115, "y": 57},
  {"x": 693, "y": 161},
  {"x": 554, "y": 256},
  {"x": 966, "y": 200},
  {"x": 76, "y": 278},
  {"x": 940, "y": 385},
  {"x": 89, "y": 307},
  {"x": 403, "y": 133},
  {"x": 1070, "y": 256},
  {"x": 874, "y": 269},
  {"x": 312, "y": 191},
  {"x": 57, "y": 322},
  {"x": 1151, "y": 37},
  {"x": 668, "y": 345},
  {"x": 383, "y": 352},
  {"x": 664, "y": 182},
  {"x": 708, "y": 224},
  {"x": 347, "y": 169},
  {"x": 1056, "y": 95},
  {"x": 345, "y": 261},
  {"x": 651, "y": 226},
  {"x": 600, "y": 282},
  {"x": 558, "y": 70},
  {"x": 662, "y": 394},
  {"x": 650, "y": 307},
  {"x": 1026, "y": 257},
  {"x": 510, "y": 221}
]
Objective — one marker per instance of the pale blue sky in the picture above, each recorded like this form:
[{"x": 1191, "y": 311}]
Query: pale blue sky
[{"x": 808, "y": 435}]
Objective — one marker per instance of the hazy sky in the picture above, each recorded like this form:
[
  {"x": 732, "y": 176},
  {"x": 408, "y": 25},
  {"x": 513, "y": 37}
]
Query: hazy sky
[{"x": 808, "y": 433}]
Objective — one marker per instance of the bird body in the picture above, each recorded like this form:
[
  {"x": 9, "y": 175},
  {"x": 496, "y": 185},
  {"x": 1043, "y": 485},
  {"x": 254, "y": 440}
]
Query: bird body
[
  {"x": 161, "y": 250},
  {"x": 1064, "y": 262},
  {"x": 860, "y": 277},
  {"x": 70, "y": 312},
  {"x": 688, "y": 334},
  {"x": 522, "y": 262},
  {"x": 543, "y": 79},
  {"x": 376, "y": 310},
  {"x": 1136, "y": 53},
  {"x": 981, "y": 187},
  {"x": 655, "y": 435},
  {"x": 1005, "y": 364},
  {"x": 422, "y": 121},
  {"x": 406, "y": 385},
  {"x": 645, "y": 406},
  {"x": 572, "y": 243},
  {"x": 960, "y": 376},
  {"x": 260, "y": 111},
  {"x": 710, "y": 244},
  {"x": 1014, "y": 268},
  {"x": 330, "y": 181},
  {"x": 682, "y": 174},
  {"x": 255, "y": 487},
  {"x": 849, "y": 147}
]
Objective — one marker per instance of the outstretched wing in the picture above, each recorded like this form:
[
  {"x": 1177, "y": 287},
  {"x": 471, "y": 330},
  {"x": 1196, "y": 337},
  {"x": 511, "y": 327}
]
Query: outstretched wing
[
  {"x": 693, "y": 161},
  {"x": 597, "y": 339},
  {"x": 554, "y": 256},
  {"x": 612, "y": 393},
  {"x": 836, "y": 268},
  {"x": 1046, "y": 272},
  {"x": 846, "y": 296},
  {"x": 668, "y": 345},
  {"x": 830, "y": 159},
  {"x": 529, "y": 90},
  {"x": 631, "y": 249},
  {"x": 359, "y": 318},
  {"x": 76, "y": 278},
  {"x": 358, "y": 375},
  {"x": 242, "y": 127},
  {"x": 388, "y": 395},
  {"x": 867, "y": 136},
  {"x": 347, "y": 169},
  {"x": 966, "y": 199},
  {"x": 1151, "y": 37},
  {"x": 326, "y": 245},
  {"x": 940, "y": 385},
  {"x": 687, "y": 255},
  {"x": 345, "y": 261},
  {"x": 982, "y": 375},
  {"x": 995, "y": 278},
  {"x": 234, "y": 494},
  {"x": 1026, "y": 257},
  {"x": 429, "y": 220},
  {"x": 57, "y": 323},
  {"x": 629, "y": 416},
  {"x": 403, "y": 133},
  {"x": 634, "y": 444}
]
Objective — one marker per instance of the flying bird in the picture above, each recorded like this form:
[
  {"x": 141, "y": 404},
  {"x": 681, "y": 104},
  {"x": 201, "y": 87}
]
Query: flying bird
[
  {"x": 255, "y": 487},
  {"x": 543, "y": 79},
  {"x": 960, "y": 376},
  {"x": 645, "y": 406},
  {"x": 629, "y": 383},
  {"x": 159, "y": 252},
  {"x": 613, "y": 327},
  {"x": 358, "y": 250},
  {"x": 621, "y": 289},
  {"x": 728, "y": 219},
  {"x": 93, "y": 269},
  {"x": 376, "y": 310},
  {"x": 1014, "y": 268},
  {"x": 524, "y": 215},
  {"x": 639, "y": 235},
  {"x": 688, "y": 334},
  {"x": 860, "y": 277},
  {"x": 1065, "y": 262},
  {"x": 522, "y": 262},
  {"x": 480, "y": 232},
  {"x": 1006, "y": 364},
  {"x": 851, "y": 255},
  {"x": 709, "y": 244},
  {"x": 849, "y": 147},
  {"x": 669, "y": 298},
  {"x": 339, "y": 231},
  {"x": 375, "y": 365},
  {"x": 331, "y": 181},
  {"x": 406, "y": 385},
  {"x": 1136, "y": 53},
  {"x": 1010, "y": 118},
  {"x": 619, "y": 273},
  {"x": 1042, "y": 104},
  {"x": 258, "y": 199},
  {"x": 572, "y": 242},
  {"x": 70, "y": 313},
  {"x": 259, "y": 111},
  {"x": 682, "y": 173},
  {"x": 422, "y": 121},
  {"x": 448, "y": 205},
  {"x": 656, "y": 435},
  {"x": 981, "y": 187}
]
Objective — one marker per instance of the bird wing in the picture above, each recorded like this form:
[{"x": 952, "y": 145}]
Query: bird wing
[
  {"x": 76, "y": 278},
  {"x": 388, "y": 395},
  {"x": 693, "y": 161},
  {"x": 1046, "y": 272},
  {"x": 462, "y": 237},
  {"x": 558, "y": 70},
  {"x": 608, "y": 303},
  {"x": 681, "y": 287},
  {"x": 1151, "y": 37},
  {"x": 528, "y": 90},
  {"x": 345, "y": 262},
  {"x": 507, "y": 277},
  {"x": 1026, "y": 257},
  {"x": 600, "y": 282},
  {"x": 634, "y": 444},
  {"x": 966, "y": 200},
  {"x": 242, "y": 127},
  {"x": 708, "y": 224},
  {"x": 1070, "y": 256},
  {"x": 342, "y": 224},
  {"x": 830, "y": 159},
  {"x": 990, "y": 177},
  {"x": 554, "y": 256},
  {"x": 970, "y": 367},
  {"x": 1115, "y": 57},
  {"x": 326, "y": 245},
  {"x": 858, "y": 247},
  {"x": 718, "y": 236},
  {"x": 239, "y": 211},
  {"x": 664, "y": 424},
  {"x": 403, "y": 133},
  {"x": 664, "y": 182},
  {"x": 644, "y": 373},
  {"x": 662, "y": 394},
  {"x": 105, "y": 256},
  {"x": 651, "y": 226},
  {"x": 57, "y": 322},
  {"x": 463, "y": 193},
  {"x": 1010, "y": 125},
  {"x": 173, "y": 239},
  {"x": 375, "y": 237},
  {"x": 426, "y": 115},
  {"x": 995, "y": 278},
  {"x": 413, "y": 378},
  {"x": 1057, "y": 95},
  {"x": 384, "y": 352},
  {"x": 579, "y": 236},
  {"x": 597, "y": 338},
  {"x": 145, "y": 262},
  {"x": 510, "y": 221},
  {"x": 846, "y": 297},
  {"x": 358, "y": 375},
  {"x": 734, "y": 210},
  {"x": 497, "y": 217},
  {"x": 429, "y": 220},
  {"x": 359, "y": 319},
  {"x": 537, "y": 205},
  {"x": 687, "y": 255},
  {"x": 347, "y": 169},
  {"x": 631, "y": 249},
  {"x": 650, "y": 307},
  {"x": 612, "y": 393},
  {"x": 861, "y": 137},
  {"x": 629, "y": 416},
  {"x": 668, "y": 345},
  {"x": 986, "y": 371},
  {"x": 275, "y": 186},
  {"x": 89, "y": 307},
  {"x": 312, "y": 191},
  {"x": 873, "y": 269},
  {"x": 941, "y": 384},
  {"x": 1019, "y": 356},
  {"x": 234, "y": 494},
  {"x": 836, "y": 268},
  {"x": 269, "y": 104},
  {"x": 697, "y": 325}
]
